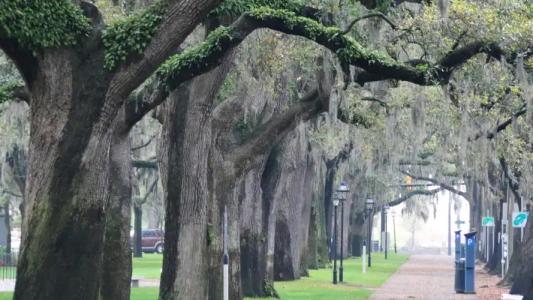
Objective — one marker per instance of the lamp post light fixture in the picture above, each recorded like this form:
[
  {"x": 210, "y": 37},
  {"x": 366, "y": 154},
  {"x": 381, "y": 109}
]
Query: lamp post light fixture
[
  {"x": 335, "y": 205},
  {"x": 342, "y": 195},
  {"x": 369, "y": 205}
]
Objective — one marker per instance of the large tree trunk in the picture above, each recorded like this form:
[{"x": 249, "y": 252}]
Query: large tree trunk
[
  {"x": 61, "y": 254},
  {"x": 494, "y": 263},
  {"x": 185, "y": 260},
  {"x": 269, "y": 182},
  {"x": 116, "y": 277},
  {"x": 294, "y": 206},
  {"x": 254, "y": 231},
  {"x": 224, "y": 197},
  {"x": 7, "y": 223},
  {"x": 523, "y": 280}
]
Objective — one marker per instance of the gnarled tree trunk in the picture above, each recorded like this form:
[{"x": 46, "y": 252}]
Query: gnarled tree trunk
[{"x": 61, "y": 256}]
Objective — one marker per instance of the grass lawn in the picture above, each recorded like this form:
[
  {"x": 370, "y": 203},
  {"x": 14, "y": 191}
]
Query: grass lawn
[
  {"x": 317, "y": 286},
  {"x": 148, "y": 267}
]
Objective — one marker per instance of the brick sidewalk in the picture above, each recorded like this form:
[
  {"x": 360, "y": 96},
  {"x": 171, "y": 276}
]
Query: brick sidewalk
[{"x": 422, "y": 277}]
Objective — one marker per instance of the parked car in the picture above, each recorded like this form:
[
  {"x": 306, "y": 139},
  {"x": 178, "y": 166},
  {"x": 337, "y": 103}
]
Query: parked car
[{"x": 153, "y": 240}]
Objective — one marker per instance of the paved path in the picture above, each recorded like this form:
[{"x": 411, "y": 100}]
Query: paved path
[{"x": 422, "y": 277}]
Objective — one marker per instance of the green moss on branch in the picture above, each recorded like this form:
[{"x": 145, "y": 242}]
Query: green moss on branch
[
  {"x": 235, "y": 8},
  {"x": 189, "y": 63},
  {"x": 378, "y": 66},
  {"x": 40, "y": 24},
  {"x": 130, "y": 36}
]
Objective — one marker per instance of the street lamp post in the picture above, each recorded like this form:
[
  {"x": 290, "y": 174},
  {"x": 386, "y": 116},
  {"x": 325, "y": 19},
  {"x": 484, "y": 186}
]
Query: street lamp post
[
  {"x": 369, "y": 204},
  {"x": 335, "y": 204},
  {"x": 342, "y": 192}
]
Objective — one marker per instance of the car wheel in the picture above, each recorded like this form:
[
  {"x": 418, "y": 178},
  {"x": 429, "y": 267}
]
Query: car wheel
[{"x": 159, "y": 248}]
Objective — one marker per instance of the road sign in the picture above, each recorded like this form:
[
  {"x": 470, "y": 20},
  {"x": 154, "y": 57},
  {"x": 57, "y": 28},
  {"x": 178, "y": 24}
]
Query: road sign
[
  {"x": 520, "y": 219},
  {"x": 488, "y": 222}
]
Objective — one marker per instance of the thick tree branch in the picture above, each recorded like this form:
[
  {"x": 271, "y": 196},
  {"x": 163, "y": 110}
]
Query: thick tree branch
[
  {"x": 461, "y": 55},
  {"x": 276, "y": 128},
  {"x": 144, "y": 164},
  {"x": 411, "y": 194},
  {"x": 180, "y": 18},
  {"x": 23, "y": 59},
  {"x": 143, "y": 102},
  {"x": 205, "y": 56},
  {"x": 513, "y": 184},
  {"x": 500, "y": 127},
  {"x": 441, "y": 184}
]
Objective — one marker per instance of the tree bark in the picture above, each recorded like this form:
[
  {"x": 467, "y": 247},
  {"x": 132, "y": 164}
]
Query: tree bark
[
  {"x": 7, "y": 222},
  {"x": 116, "y": 276},
  {"x": 523, "y": 281},
  {"x": 185, "y": 260},
  {"x": 61, "y": 255}
]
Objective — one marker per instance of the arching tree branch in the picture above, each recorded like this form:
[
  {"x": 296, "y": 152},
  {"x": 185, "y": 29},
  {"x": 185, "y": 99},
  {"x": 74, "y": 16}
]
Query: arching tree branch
[
  {"x": 276, "y": 128},
  {"x": 367, "y": 16},
  {"x": 439, "y": 183},
  {"x": 203, "y": 57},
  {"x": 179, "y": 20},
  {"x": 513, "y": 184},
  {"x": 500, "y": 127},
  {"x": 207, "y": 55},
  {"x": 411, "y": 194}
]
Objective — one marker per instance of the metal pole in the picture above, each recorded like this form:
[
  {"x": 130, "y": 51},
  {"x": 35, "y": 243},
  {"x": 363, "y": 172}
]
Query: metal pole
[
  {"x": 394, "y": 229},
  {"x": 363, "y": 257},
  {"x": 386, "y": 236},
  {"x": 522, "y": 228},
  {"x": 335, "y": 248},
  {"x": 382, "y": 228},
  {"x": 450, "y": 224},
  {"x": 342, "y": 239},
  {"x": 369, "y": 238},
  {"x": 226, "y": 257}
]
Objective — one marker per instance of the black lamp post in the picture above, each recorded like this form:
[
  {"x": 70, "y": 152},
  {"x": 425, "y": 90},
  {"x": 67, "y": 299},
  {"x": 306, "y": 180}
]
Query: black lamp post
[
  {"x": 369, "y": 204},
  {"x": 335, "y": 204},
  {"x": 342, "y": 193}
]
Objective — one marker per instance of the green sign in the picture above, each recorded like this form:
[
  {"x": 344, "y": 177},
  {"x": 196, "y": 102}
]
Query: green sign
[
  {"x": 520, "y": 219},
  {"x": 488, "y": 222}
]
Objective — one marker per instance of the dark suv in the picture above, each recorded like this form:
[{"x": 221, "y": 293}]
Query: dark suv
[{"x": 153, "y": 240}]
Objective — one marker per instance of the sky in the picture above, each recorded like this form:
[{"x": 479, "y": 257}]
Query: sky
[{"x": 430, "y": 234}]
